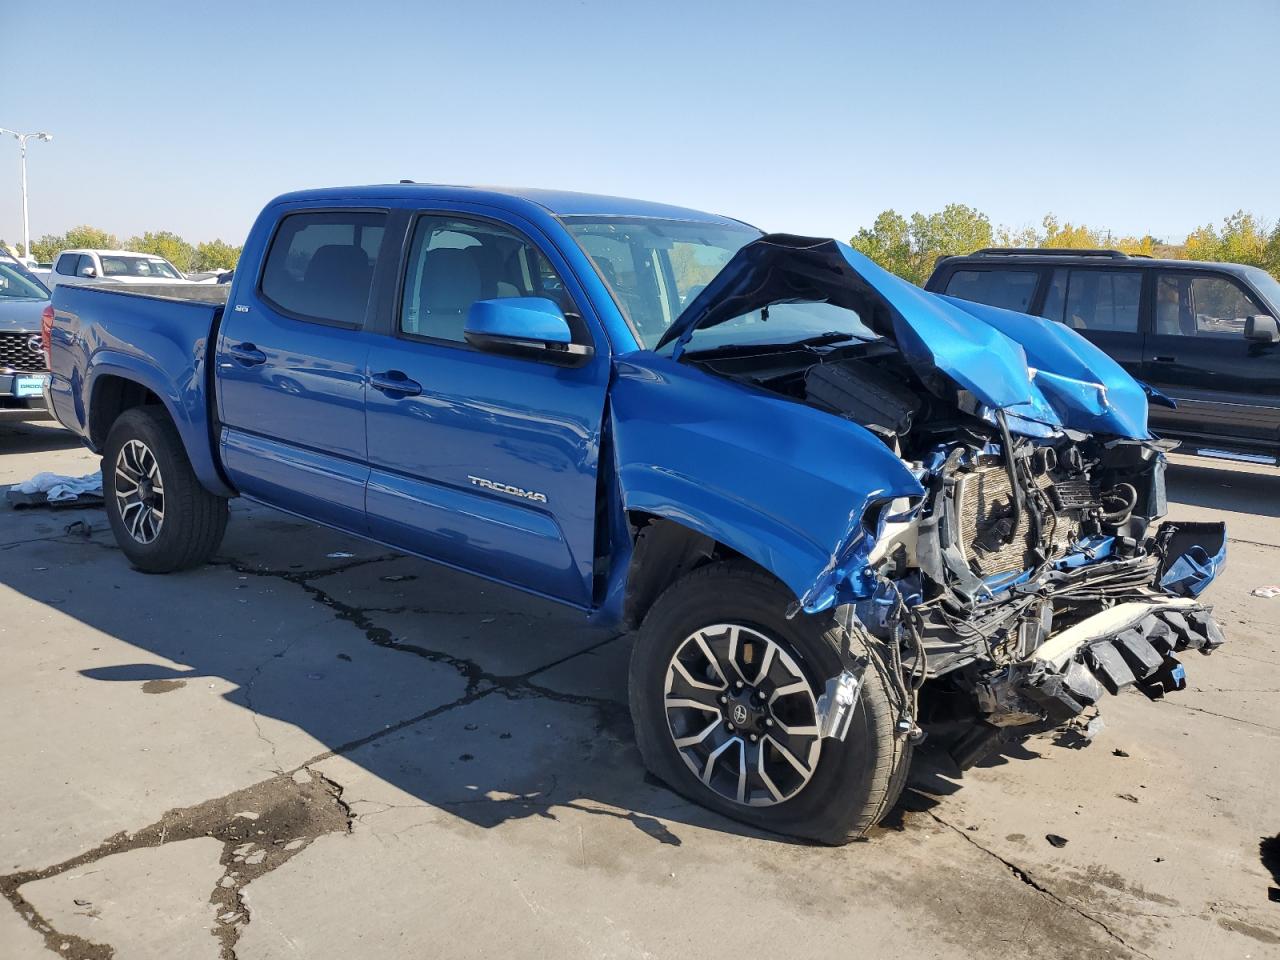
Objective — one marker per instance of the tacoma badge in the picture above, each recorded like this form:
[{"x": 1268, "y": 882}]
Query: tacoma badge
[{"x": 508, "y": 489}]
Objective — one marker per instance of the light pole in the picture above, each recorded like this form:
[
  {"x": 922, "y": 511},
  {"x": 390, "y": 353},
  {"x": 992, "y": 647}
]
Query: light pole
[{"x": 22, "y": 139}]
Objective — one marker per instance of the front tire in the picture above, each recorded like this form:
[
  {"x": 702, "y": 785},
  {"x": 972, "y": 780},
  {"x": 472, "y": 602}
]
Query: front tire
[
  {"x": 162, "y": 518},
  {"x": 723, "y": 689}
]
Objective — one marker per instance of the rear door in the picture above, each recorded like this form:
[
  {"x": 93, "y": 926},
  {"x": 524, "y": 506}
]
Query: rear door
[
  {"x": 481, "y": 461},
  {"x": 291, "y": 366},
  {"x": 1103, "y": 305},
  {"x": 1227, "y": 387}
]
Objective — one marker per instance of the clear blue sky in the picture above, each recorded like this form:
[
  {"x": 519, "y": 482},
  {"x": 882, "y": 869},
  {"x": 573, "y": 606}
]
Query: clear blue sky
[{"x": 804, "y": 117}]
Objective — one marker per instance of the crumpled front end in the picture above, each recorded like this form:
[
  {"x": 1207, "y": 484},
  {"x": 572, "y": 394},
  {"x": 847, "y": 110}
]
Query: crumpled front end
[
  {"x": 1032, "y": 573},
  {"x": 1023, "y": 594}
]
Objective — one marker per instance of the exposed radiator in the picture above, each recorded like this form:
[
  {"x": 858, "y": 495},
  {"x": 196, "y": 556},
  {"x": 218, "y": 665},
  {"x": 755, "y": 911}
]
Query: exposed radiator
[{"x": 984, "y": 512}]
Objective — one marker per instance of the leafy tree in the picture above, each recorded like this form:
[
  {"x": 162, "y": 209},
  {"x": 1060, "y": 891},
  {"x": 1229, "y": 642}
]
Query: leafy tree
[
  {"x": 47, "y": 247},
  {"x": 162, "y": 243},
  {"x": 1271, "y": 253},
  {"x": 1243, "y": 238},
  {"x": 1144, "y": 246},
  {"x": 84, "y": 236},
  {"x": 887, "y": 242},
  {"x": 910, "y": 248},
  {"x": 954, "y": 230},
  {"x": 216, "y": 255},
  {"x": 89, "y": 237}
]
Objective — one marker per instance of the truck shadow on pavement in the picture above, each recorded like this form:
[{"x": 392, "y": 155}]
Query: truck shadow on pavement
[
  {"x": 36, "y": 437},
  {"x": 448, "y": 693}
]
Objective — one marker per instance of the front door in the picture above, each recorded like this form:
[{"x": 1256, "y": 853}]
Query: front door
[
  {"x": 481, "y": 461},
  {"x": 1227, "y": 387},
  {"x": 291, "y": 367}
]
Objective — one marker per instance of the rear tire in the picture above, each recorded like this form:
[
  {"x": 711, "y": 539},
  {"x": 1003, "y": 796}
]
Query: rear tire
[
  {"x": 850, "y": 784},
  {"x": 162, "y": 518}
]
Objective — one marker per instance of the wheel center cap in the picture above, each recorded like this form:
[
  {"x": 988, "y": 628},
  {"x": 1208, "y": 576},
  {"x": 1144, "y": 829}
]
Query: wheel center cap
[{"x": 744, "y": 713}]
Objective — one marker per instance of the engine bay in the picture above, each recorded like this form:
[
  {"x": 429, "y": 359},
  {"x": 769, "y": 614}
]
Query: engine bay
[{"x": 1017, "y": 539}]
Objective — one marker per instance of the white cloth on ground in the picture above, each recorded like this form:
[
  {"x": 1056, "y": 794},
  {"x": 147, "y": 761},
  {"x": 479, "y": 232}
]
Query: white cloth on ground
[{"x": 56, "y": 487}]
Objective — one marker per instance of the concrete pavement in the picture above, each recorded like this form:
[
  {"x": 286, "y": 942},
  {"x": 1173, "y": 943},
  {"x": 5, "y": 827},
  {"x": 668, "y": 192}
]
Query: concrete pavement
[{"x": 316, "y": 748}]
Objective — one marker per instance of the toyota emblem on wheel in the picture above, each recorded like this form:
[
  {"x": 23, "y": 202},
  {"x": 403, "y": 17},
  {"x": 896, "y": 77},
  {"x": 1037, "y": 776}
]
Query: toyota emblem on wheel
[{"x": 740, "y": 715}]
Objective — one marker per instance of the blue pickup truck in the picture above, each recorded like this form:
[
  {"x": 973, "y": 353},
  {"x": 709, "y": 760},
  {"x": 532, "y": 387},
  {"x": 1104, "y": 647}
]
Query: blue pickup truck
[{"x": 840, "y": 512}]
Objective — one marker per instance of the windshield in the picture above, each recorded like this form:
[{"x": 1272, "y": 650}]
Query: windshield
[
  {"x": 117, "y": 266},
  {"x": 1267, "y": 285},
  {"x": 655, "y": 268},
  {"x": 17, "y": 284}
]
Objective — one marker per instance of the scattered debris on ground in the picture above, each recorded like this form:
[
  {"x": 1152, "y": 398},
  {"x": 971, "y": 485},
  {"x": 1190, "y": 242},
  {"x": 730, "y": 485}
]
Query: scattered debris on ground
[
  {"x": 78, "y": 528},
  {"x": 55, "y": 490}
]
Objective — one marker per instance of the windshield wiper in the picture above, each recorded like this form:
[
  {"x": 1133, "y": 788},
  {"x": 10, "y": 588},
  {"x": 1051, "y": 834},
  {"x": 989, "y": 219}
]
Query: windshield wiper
[{"x": 817, "y": 340}]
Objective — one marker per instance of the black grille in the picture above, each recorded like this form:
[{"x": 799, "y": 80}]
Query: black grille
[{"x": 16, "y": 352}]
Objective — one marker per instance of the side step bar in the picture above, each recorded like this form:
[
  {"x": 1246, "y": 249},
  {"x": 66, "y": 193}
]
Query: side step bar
[{"x": 1236, "y": 455}]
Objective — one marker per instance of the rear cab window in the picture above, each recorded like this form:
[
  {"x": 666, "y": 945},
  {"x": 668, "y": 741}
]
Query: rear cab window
[
  {"x": 1007, "y": 288},
  {"x": 320, "y": 265}
]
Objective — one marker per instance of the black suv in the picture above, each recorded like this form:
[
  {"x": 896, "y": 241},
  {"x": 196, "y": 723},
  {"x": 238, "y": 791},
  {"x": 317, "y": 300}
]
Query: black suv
[{"x": 1205, "y": 334}]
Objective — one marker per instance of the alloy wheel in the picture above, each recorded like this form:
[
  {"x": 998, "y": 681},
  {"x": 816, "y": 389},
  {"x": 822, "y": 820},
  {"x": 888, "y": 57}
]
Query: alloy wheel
[
  {"x": 139, "y": 490},
  {"x": 742, "y": 714}
]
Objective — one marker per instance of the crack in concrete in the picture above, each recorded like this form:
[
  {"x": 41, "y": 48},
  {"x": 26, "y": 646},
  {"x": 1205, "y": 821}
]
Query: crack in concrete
[
  {"x": 1223, "y": 716},
  {"x": 1022, "y": 874},
  {"x": 1254, "y": 543},
  {"x": 189, "y": 822},
  {"x": 612, "y": 714},
  {"x": 253, "y": 711}
]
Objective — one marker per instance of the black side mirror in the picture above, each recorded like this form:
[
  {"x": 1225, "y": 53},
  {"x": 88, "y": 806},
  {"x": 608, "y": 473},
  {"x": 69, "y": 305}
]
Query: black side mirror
[{"x": 1262, "y": 329}]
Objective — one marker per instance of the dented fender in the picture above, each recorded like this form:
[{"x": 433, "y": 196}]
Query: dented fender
[
  {"x": 781, "y": 483},
  {"x": 1087, "y": 389}
]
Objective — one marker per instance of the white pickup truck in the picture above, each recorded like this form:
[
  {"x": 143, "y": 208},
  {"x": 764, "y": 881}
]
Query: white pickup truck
[{"x": 102, "y": 267}]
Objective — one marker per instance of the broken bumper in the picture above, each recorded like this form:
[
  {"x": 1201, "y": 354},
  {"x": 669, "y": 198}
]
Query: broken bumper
[{"x": 1130, "y": 644}]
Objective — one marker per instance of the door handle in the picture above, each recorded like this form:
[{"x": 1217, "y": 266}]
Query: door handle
[
  {"x": 1165, "y": 359},
  {"x": 395, "y": 383},
  {"x": 247, "y": 354}
]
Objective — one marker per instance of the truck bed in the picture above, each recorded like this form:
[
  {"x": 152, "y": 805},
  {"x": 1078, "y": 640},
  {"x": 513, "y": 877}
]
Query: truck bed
[{"x": 155, "y": 338}]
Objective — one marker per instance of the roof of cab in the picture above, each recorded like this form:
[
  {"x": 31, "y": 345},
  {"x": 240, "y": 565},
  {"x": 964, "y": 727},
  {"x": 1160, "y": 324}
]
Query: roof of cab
[{"x": 559, "y": 203}]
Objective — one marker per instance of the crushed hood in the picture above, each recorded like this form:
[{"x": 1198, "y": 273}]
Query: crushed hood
[{"x": 1043, "y": 375}]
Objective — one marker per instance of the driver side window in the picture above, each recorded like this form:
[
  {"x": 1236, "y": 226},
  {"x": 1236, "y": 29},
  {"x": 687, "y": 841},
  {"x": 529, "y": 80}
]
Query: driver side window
[
  {"x": 453, "y": 262},
  {"x": 1201, "y": 306}
]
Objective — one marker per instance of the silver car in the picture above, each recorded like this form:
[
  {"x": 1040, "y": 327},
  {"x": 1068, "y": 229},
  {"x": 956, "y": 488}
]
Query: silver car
[{"x": 23, "y": 371}]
